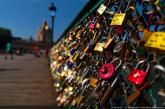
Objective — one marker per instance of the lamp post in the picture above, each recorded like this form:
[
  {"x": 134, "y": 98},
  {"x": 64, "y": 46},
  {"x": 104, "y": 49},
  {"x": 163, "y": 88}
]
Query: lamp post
[{"x": 52, "y": 10}]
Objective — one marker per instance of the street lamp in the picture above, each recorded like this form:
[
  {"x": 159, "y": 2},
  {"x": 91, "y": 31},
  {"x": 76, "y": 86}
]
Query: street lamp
[{"x": 52, "y": 10}]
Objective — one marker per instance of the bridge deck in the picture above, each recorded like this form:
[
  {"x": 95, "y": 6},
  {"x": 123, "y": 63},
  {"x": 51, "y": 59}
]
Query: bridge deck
[{"x": 25, "y": 81}]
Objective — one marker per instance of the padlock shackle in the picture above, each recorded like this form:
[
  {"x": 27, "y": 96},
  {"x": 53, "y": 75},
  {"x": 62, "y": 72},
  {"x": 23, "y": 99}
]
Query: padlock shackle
[
  {"x": 95, "y": 89},
  {"x": 118, "y": 47},
  {"x": 129, "y": 1},
  {"x": 85, "y": 82},
  {"x": 72, "y": 76},
  {"x": 113, "y": 83},
  {"x": 159, "y": 67},
  {"x": 141, "y": 62},
  {"x": 83, "y": 88},
  {"x": 86, "y": 71},
  {"x": 115, "y": 36},
  {"x": 120, "y": 61}
]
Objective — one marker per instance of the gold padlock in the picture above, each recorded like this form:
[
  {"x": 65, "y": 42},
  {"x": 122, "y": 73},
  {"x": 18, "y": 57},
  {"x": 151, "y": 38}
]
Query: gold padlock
[
  {"x": 146, "y": 35},
  {"x": 99, "y": 46},
  {"x": 80, "y": 98},
  {"x": 118, "y": 19},
  {"x": 93, "y": 82},
  {"x": 108, "y": 42},
  {"x": 78, "y": 35},
  {"x": 98, "y": 25}
]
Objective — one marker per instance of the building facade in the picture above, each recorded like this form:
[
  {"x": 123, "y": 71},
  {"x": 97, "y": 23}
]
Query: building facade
[{"x": 44, "y": 33}]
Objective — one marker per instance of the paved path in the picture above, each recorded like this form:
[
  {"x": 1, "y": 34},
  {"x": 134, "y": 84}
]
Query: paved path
[{"x": 25, "y": 81}]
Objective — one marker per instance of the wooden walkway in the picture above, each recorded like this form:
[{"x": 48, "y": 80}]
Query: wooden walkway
[{"x": 25, "y": 81}]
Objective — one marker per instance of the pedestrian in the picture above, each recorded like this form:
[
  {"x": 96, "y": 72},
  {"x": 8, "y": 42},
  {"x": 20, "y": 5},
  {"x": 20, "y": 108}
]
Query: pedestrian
[
  {"x": 46, "y": 52},
  {"x": 9, "y": 50},
  {"x": 37, "y": 52}
]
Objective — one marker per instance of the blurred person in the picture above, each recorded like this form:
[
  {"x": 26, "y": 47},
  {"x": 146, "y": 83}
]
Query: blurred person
[
  {"x": 37, "y": 52},
  {"x": 17, "y": 51},
  {"x": 46, "y": 52},
  {"x": 9, "y": 50}
]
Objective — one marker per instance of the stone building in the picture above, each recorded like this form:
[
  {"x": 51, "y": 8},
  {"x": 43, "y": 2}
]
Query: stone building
[{"x": 44, "y": 33}]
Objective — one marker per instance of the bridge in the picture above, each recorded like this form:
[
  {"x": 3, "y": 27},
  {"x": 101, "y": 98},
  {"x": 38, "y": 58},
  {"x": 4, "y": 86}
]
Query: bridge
[{"x": 26, "y": 81}]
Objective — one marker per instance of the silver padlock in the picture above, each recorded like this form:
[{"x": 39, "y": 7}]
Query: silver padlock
[
  {"x": 119, "y": 64},
  {"x": 85, "y": 82}
]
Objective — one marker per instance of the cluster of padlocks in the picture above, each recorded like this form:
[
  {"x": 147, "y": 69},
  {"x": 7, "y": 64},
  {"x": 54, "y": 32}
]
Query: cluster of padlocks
[{"x": 114, "y": 58}]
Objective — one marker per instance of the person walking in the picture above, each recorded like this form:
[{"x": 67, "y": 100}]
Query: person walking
[
  {"x": 9, "y": 50},
  {"x": 46, "y": 52}
]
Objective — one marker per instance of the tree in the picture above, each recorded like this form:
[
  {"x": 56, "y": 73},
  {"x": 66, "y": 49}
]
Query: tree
[{"x": 5, "y": 36}]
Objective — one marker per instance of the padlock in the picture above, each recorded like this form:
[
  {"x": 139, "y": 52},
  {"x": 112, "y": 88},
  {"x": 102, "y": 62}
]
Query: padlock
[
  {"x": 84, "y": 86},
  {"x": 96, "y": 37},
  {"x": 93, "y": 82},
  {"x": 69, "y": 64},
  {"x": 73, "y": 76},
  {"x": 85, "y": 82},
  {"x": 147, "y": 84},
  {"x": 88, "y": 46},
  {"x": 99, "y": 46},
  {"x": 106, "y": 30},
  {"x": 118, "y": 19},
  {"x": 75, "y": 56},
  {"x": 91, "y": 99},
  {"x": 161, "y": 93},
  {"x": 136, "y": 75},
  {"x": 110, "y": 39},
  {"x": 147, "y": 9},
  {"x": 74, "y": 100},
  {"x": 108, "y": 91},
  {"x": 92, "y": 23},
  {"x": 79, "y": 33},
  {"x": 81, "y": 77},
  {"x": 118, "y": 47},
  {"x": 108, "y": 70},
  {"x": 101, "y": 9}
]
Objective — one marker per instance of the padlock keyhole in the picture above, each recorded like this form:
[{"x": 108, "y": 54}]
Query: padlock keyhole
[{"x": 105, "y": 70}]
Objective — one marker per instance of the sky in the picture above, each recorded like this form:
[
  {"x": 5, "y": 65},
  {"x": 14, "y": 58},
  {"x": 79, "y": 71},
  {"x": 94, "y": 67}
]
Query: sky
[{"x": 24, "y": 17}]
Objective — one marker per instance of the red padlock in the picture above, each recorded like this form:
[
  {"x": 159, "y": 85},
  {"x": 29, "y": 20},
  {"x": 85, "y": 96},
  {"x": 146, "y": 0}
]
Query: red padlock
[
  {"x": 136, "y": 75},
  {"x": 92, "y": 25},
  {"x": 107, "y": 70}
]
